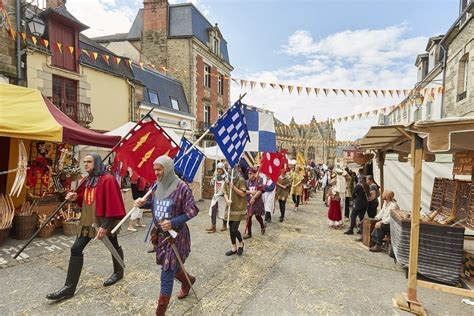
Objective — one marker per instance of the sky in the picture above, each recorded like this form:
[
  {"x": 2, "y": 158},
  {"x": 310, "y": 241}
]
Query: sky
[{"x": 320, "y": 43}]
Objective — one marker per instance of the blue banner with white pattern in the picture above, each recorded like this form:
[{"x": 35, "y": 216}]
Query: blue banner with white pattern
[
  {"x": 231, "y": 133},
  {"x": 188, "y": 165}
]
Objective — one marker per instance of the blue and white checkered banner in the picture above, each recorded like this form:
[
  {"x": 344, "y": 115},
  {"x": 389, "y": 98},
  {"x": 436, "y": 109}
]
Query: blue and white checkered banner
[
  {"x": 231, "y": 134},
  {"x": 188, "y": 165},
  {"x": 261, "y": 127}
]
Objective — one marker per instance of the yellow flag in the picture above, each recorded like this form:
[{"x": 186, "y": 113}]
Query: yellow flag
[{"x": 300, "y": 160}]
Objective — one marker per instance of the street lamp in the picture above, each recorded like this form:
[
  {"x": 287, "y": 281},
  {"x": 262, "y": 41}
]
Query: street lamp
[
  {"x": 34, "y": 22},
  {"x": 418, "y": 100}
]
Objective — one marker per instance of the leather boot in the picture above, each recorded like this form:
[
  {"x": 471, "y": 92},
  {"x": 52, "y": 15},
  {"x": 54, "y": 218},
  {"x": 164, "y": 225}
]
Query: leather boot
[
  {"x": 185, "y": 287},
  {"x": 212, "y": 229},
  {"x": 118, "y": 270},
  {"x": 162, "y": 305},
  {"x": 224, "y": 228},
  {"x": 72, "y": 278}
]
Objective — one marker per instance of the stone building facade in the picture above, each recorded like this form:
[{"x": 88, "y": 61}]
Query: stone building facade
[
  {"x": 8, "y": 71},
  {"x": 180, "y": 41},
  {"x": 316, "y": 140},
  {"x": 459, "y": 71}
]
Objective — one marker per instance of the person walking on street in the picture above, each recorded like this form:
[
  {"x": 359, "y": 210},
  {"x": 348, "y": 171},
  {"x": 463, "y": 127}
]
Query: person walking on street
[
  {"x": 282, "y": 192},
  {"x": 238, "y": 212},
  {"x": 172, "y": 206},
  {"x": 101, "y": 202},
  {"x": 255, "y": 189}
]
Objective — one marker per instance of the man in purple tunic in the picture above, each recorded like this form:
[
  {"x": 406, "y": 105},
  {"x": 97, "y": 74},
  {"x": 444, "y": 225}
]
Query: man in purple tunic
[
  {"x": 172, "y": 206},
  {"x": 255, "y": 204}
]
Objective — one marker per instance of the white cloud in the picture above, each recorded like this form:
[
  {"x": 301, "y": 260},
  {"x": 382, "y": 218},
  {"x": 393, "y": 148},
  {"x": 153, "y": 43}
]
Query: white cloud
[
  {"x": 379, "y": 59},
  {"x": 104, "y": 17}
]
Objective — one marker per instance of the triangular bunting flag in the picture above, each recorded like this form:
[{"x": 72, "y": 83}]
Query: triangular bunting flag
[
  {"x": 86, "y": 52},
  {"x": 308, "y": 90},
  {"x": 361, "y": 92},
  {"x": 95, "y": 55},
  {"x": 23, "y": 36},
  {"x": 383, "y": 92},
  {"x": 398, "y": 93},
  {"x": 234, "y": 80},
  {"x": 59, "y": 47},
  {"x": 351, "y": 91},
  {"x": 339, "y": 120},
  {"x": 405, "y": 92},
  {"x": 71, "y": 49},
  {"x": 391, "y": 93},
  {"x": 367, "y": 113},
  {"x": 335, "y": 91},
  {"x": 290, "y": 89},
  {"x": 326, "y": 91},
  {"x": 252, "y": 84},
  {"x": 345, "y": 118},
  {"x": 359, "y": 115},
  {"x": 374, "y": 112},
  {"x": 127, "y": 62},
  {"x": 367, "y": 92},
  {"x": 34, "y": 40},
  {"x": 117, "y": 60},
  {"x": 316, "y": 91},
  {"x": 376, "y": 92},
  {"x": 352, "y": 117},
  {"x": 263, "y": 85},
  {"x": 282, "y": 87},
  {"x": 299, "y": 89},
  {"x": 344, "y": 91},
  {"x": 273, "y": 85}
]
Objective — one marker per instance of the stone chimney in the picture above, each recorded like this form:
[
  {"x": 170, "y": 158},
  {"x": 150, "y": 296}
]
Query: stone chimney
[
  {"x": 155, "y": 15},
  {"x": 55, "y": 3},
  {"x": 155, "y": 33}
]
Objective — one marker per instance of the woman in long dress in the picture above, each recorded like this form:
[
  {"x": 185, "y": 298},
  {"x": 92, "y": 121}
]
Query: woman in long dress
[{"x": 334, "y": 211}]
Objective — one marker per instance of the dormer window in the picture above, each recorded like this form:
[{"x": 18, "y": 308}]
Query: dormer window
[{"x": 215, "y": 40}]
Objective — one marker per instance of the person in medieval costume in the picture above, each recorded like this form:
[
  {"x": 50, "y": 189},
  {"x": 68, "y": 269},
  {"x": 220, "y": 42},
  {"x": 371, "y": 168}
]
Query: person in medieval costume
[
  {"x": 238, "y": 212},
  {"x": 255, "y": 206},
  {"x": 268, "y": 197},
  {"x": 102, "y": 204},
  {"x": 218, "y": 204},
  {"x": 172, "y": 206},
  {"x": 297, "y": 186},
  {"x": 282, "y": 192}
]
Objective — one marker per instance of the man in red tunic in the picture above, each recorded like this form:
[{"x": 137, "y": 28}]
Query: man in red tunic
[{"x": 102, "y": 204}]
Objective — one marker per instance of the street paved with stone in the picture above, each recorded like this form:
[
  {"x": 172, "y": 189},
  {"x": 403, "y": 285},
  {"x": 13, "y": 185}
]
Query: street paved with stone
[{"x": 300, "y": 267}]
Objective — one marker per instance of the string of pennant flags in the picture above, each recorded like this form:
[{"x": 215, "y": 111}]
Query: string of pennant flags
[
  {"x": 328, "y": 142},
  {"x": 429, "y": 93},
  {"x": 243, "y": 83}
]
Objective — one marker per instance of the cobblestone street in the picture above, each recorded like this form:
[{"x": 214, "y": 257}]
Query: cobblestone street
[{"x": 299, "y": 267}]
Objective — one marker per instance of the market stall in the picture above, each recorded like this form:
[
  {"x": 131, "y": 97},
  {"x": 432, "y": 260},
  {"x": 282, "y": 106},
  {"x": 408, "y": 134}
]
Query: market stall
[
  {"x": 42, "y": 159},
  {"x": 451, "y": 202}
]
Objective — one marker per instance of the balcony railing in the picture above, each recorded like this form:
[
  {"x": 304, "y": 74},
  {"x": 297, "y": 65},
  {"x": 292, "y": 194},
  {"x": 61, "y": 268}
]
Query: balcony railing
[
  {"x": 79, "y": 112},
  {"x": 203, "y": 126}
]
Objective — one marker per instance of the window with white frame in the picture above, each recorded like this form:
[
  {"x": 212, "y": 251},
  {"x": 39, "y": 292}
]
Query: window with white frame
[
  {"x": 428, "y": 110},
  {"x": 463, "y": 71},
  {"x": 174, "y": 103},
  {"x": 207, "y": 76},
  {"x": 153, "y": 96},
  {"x": 221, "y": 84},
  {"x": 207, "y": 114}
]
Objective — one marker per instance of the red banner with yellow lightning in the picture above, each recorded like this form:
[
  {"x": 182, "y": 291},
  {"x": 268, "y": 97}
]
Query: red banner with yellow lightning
[{"x": 145, "y": 142}]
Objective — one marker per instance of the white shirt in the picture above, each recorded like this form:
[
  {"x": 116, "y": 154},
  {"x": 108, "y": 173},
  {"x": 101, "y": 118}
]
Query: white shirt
[{"x": 384, "y": 213}]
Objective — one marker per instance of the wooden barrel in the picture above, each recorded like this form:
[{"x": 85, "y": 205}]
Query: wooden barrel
[{"x": 25, "y": 226}]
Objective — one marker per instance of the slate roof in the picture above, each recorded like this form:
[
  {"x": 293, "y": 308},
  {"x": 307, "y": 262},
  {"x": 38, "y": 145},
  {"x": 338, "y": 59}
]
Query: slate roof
[
  {"x": 63, "y": 12},
  {"x": 185, "y": 20},
  {"x": 165, "y": 87},
  {"x": 121, "y": 69}
]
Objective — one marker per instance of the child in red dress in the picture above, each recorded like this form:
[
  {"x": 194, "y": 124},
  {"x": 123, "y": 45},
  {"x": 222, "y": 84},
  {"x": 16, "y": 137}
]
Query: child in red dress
[{"x": 334, "y": 212}]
